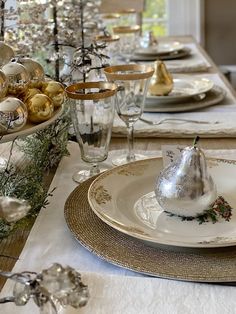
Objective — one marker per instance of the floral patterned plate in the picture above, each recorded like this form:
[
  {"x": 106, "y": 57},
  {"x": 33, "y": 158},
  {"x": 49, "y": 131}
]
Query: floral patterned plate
[{"x": 123, "y": 198}]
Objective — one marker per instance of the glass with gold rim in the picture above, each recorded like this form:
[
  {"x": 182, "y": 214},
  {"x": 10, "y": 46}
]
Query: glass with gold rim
[
  {"x": 92, "y": 106},
  {"x": 132, "y": 81},
  {"x": 128, "y": 40}
]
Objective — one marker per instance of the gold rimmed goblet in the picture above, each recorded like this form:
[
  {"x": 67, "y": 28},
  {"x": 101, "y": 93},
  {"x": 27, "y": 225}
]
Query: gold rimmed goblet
[
  {"x": 92, "y": 106},
  {"x": 132, "y": 81},
  {"x": 128, "y": 40},
  {"x": 111, "y": 51}
]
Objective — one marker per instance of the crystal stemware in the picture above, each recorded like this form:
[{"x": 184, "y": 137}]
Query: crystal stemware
[
  {"x": 132, "y": 81},
  {"x": 109, "y": 48},
  {"x": 92, "y": 108},
  {"x": 128, "y": 40}
]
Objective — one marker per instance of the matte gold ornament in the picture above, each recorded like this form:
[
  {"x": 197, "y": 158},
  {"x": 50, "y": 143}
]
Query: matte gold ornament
[
  {"x": 13, "y": 115},
  {"x": 185, "y": 187},
  {"x": 3, "y": 85},
  {"x": 40, "y": 108},
  {"x": 18, "y": 78},
  {"x": 55, "y": 91},
  {"x": 162, "y": 82},
  {"x": 35, "y": 70},
  {"x": 6, "y": 53}
]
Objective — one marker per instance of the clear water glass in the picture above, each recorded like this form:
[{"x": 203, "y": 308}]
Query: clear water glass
[{"x": 92, "y": 112}]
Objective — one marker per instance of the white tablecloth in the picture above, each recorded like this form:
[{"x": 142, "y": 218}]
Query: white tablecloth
[{"x": 112, "y": 289}]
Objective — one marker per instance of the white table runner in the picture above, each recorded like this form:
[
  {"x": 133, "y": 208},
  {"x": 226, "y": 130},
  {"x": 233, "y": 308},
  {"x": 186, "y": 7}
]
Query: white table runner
[
  {"x": 112, "y": 289},
  {"x": 224, "y": 113}
]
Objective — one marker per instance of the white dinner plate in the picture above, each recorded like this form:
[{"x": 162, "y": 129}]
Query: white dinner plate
[
  {"x": 213, "y": 97},
  {"x": 184, "y": 88},
  {"x": 123, "y": 198},
  {"x": 161, "y": 49},
  {"x": 169, "y": 56},
  {"x": 31, "y": 128}
]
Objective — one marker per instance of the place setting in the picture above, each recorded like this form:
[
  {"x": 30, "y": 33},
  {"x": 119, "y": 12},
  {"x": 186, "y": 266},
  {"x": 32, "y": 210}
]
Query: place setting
[
  {"x": 162, "y": 50},
  {"x": 180, "y": 92},
  {"x": 131, "y": 209}
]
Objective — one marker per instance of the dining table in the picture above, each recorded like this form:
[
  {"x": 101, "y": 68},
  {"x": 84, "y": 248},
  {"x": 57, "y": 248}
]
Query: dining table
[{"x": 117, "y": 282}]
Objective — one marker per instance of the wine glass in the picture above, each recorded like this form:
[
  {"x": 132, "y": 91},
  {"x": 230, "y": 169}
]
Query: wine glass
[
  {"x": 111, "y": 43},
  {"x": 128, "y": 40},
  {"x": 92, "y": 106},
  {"x": 132, "y": 81}
]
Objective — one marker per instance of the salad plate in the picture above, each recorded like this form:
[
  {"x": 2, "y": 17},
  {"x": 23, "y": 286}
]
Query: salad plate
[
  {"x": 213, "y": 97},
  {"x": 178, "y": 54},
  {"x": 123, "y": 198},
  {"x": 162, "y": 48},
  {"x": 184, "y": 88}
]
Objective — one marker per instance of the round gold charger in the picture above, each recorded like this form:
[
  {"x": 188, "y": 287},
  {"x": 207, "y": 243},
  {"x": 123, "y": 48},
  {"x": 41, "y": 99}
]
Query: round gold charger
[{"x": 200, "y": 265}]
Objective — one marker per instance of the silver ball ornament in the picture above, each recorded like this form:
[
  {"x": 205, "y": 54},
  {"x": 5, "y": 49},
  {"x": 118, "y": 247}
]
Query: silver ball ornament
[
  {"x": 13, "y": 115},
  {"x": 18, "y": 78},
  {"x": 35, "y": 70}
]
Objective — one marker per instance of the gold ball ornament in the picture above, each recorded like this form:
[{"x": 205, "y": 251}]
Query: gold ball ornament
[
  {"x": 6, "y": 53},
  {"x": 18, "y": 78},
  {"x": 55, "y": 91},
  {"x": 13, "y": 115},
  {"x": 40, "y": 108},
  {"x": 31, "y": 92},
  {"x": 3, "y": 85},
  {"x": 35, "y": 70}
]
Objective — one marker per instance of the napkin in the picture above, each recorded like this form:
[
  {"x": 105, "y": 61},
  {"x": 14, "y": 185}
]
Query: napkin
[
  {"x": 224, "y": 114},
  {"x": 112, "y": 289}
]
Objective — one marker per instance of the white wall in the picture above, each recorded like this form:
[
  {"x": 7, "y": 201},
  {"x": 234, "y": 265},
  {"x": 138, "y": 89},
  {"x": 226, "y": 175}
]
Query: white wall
[{"x": 186, "y": 17}]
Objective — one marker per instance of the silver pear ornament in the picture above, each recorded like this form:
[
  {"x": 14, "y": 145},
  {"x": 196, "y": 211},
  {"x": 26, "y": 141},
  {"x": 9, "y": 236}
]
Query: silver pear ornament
[{"x": 185, "y": 188}]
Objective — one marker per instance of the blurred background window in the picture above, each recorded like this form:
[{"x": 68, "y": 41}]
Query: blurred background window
[{"x": 155, "y": 17}]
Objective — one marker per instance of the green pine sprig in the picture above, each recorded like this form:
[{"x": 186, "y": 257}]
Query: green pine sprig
[{"x": 43, "y": 151}]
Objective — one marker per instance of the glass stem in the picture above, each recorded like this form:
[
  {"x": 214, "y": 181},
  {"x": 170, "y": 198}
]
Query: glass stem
[
  {"x": 130, "y": 140},
  {"x": 94, "y": 170}
]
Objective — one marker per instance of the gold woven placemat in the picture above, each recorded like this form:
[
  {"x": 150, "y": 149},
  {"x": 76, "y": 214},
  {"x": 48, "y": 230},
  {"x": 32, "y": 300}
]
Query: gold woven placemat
[{"x": 200, "y": 265}]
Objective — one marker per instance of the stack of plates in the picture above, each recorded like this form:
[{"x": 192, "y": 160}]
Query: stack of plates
[
  {"x": 188, "y": 94},
  {"x": 123, "y": 198},
  {"x": 163, "y": 51},
  {"x": 123, "y": 224}
]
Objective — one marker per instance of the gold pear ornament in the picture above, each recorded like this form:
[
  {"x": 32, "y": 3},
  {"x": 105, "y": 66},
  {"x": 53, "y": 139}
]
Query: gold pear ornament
[
  {"x": 162, "y": 82},
  {"x": 185, "y": 188}
]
